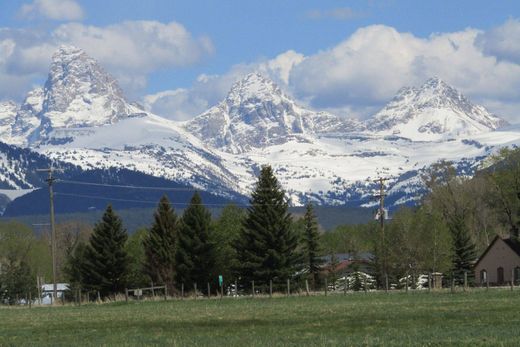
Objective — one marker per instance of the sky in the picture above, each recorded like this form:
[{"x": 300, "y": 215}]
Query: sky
[{"x": 178, "y": 58}]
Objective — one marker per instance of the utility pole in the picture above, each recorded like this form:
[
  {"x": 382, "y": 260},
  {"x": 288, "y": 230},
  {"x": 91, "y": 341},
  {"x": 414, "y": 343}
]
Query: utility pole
[
  {"x": 50, "y": 180},
  {"x": 381, "y": 197}
]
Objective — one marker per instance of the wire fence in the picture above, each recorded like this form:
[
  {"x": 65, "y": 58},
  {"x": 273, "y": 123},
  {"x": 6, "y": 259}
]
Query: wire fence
[{"x": 252, "y": 290}]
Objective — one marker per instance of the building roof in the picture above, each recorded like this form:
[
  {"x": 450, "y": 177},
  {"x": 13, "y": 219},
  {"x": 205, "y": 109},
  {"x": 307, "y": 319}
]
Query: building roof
[{"x": 512, "y": 243}]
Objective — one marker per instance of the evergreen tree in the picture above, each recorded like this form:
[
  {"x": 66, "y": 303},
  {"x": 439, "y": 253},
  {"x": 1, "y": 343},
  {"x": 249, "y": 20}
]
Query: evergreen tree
[
  {"x": 464, "y": 252},
  {"x": 136, "y": 276},
  {"x": 227, "y": 229},
  {"x": 160, "y": 243},
  {"x": 16, "y": 281},
  {"x": 311, "y": 245},
  {"x": 75, "y": 257},
  {"x": 266, "y": 247},
  {"x": 195, "y": 253},
  {"x": 105, "y": 262}
]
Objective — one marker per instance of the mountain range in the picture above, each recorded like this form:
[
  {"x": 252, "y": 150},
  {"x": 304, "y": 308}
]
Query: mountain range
[{"x": 81, "y": 119}]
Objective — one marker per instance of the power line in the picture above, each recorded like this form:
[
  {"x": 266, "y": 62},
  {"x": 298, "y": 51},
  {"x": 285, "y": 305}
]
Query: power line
[
  {"x": 155, "y": 202},
  {"x": 127, "y": 186}
]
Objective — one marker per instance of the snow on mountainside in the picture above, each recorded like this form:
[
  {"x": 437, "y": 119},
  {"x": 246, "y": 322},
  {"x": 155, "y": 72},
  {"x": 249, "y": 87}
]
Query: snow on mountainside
[
  {"x": 435, "y": 111},
  {"x": 81, "y": 117},
  {"x": 78, "y": 93},
  {"x": 256, "y": 113}
]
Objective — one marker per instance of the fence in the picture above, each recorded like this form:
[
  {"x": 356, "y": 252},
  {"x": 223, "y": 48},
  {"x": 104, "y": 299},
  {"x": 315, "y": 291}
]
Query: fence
[{"x": 344, "y": 285}]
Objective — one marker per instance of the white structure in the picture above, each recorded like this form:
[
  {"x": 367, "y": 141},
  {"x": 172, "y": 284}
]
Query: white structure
[{"x": 47, "y": 290}]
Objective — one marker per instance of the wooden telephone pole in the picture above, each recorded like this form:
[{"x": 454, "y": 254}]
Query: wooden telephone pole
[
  {"x": 381, "y": 197},
  {"x": 50, "y": 180}
]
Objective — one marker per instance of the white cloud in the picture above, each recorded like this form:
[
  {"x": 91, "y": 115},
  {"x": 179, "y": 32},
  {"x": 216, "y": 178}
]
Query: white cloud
[
  {"x": 502, "y": 42},
  {"x": 53, "y": 9},
  {"x": 128, "y": 50},
  {"x": 365, "y": 70},
  {"x": 208, "y": 90}
]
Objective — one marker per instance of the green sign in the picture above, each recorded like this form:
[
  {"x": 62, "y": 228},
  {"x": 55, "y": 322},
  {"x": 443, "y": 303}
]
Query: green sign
[{"x": 220, "y": 280}]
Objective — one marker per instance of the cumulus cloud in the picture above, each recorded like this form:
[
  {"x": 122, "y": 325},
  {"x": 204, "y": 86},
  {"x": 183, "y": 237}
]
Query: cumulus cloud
[
  {"x": 52, "y": 9},
  {"x": 361, "y": 73},
  {"x": 129, "y": 50},
  {"x": 502, "y": 42},
  {"x": 365, "y": 70},
  {"x": 208, "y": 90}
]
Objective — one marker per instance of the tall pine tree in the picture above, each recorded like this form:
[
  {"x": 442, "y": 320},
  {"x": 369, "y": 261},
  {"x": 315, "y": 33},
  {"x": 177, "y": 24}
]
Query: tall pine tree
[
  {"x": 266, "y": 247},
  {"x": 464, "y": 253},
  {"x": 311, "y": 245},
  {"x": 105, "y": 258},
  {"x": 195, "y": 256},
  {"x": 160, "y": 243}
]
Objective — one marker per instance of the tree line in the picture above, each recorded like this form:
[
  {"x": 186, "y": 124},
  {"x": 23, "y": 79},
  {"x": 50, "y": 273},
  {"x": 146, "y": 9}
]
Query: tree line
[
  {"x": 260, "y": 244},
  {"x": 451, "y": 226}
]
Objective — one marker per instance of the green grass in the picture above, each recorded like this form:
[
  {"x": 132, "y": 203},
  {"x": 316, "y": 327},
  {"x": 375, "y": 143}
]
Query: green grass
[{"x": 475, "y": 318}]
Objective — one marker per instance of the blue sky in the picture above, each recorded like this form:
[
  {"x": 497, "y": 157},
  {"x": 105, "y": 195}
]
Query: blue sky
[{"x": 330, "y": 53}]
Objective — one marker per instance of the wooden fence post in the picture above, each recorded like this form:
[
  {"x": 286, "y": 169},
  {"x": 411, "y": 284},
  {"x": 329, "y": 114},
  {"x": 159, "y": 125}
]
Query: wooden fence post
[
  {"x": 79, "y": 296},
  {"x": 345, "y": 284},
  {"x": 209, "y": 291},
  {"x": 195, "y": 286},
  {"x": 452, "y": 284},
  {"x": 165, "y": 292},
  {"x": 429, "y": 282},
  {"x": 406, "y": 284},
  {"x": 386, "y": 282},
  {"x": 465, "y": 280},
  {"x": 253, "y": 288},
  {"x": 307, "y": 287},
  {"x": 270, "y": 288},
  {"x": 126, "y": 294},
  {"x": 512, "y": 279},
  {"x": 30, "y": 300},
  {"x": 222, "y": 289},
  {"x": 326, "y": 287},
  {"x": 288, "y": 287},
  {"x": 236, "y": 288},
  {"x": 99, "y": 296},
  {"x": 153, "y": 291},
  {"x": 365, "y": 284},
  {"x": 182, "y": 290}
]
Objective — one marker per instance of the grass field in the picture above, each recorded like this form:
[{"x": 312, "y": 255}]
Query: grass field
[{"x": 395, "y": 319}]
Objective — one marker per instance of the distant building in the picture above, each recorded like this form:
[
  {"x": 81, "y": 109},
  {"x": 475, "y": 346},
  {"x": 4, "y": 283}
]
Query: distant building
[
  {"x": 48, "y": 289},
  {"x": 499, "y": 262}
]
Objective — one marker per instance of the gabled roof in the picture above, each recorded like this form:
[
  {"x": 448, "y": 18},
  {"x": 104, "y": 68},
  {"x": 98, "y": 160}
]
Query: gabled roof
[{"x": 512, "y": 243}]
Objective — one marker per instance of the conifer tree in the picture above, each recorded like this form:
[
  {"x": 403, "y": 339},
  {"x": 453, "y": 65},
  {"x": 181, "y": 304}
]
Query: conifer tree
[
  {"x": 159, "y": 245},
  {"x": 311, "y": 245},
  {"x": 195, "y": 254},
  {"x": 464, "y": 253},
  {"x": 266, "y": 247},
  {"x": 105, "y": 258}
]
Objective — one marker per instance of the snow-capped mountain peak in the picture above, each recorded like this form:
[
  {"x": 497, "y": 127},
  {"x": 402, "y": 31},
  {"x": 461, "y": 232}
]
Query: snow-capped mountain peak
[
  {"x": 253, "y": 86},
  {"x": 433, "y": 111},
  {"x": 256, "y": 113},
  {"x": 79, "y": 93}
]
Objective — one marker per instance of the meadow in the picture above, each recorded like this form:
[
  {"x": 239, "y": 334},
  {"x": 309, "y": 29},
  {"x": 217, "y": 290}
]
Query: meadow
[{"x": 472, "y": 318}]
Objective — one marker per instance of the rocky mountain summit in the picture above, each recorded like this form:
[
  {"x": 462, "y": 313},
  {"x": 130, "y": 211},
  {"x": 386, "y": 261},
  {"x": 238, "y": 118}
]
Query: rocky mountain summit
[
  {"x": 433, "y": 111},
  {"x": 256, "y": 113},
  {"x": 82, "y": 118}
]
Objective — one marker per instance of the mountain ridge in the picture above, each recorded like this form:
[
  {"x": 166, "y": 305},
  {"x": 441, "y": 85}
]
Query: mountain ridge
[{"x": 317, "y": 156}]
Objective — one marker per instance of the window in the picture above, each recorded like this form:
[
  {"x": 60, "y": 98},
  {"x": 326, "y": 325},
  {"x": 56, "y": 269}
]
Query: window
[
  {"x": 483, "y": 276},
  {"x": 500, "y": 275}
]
